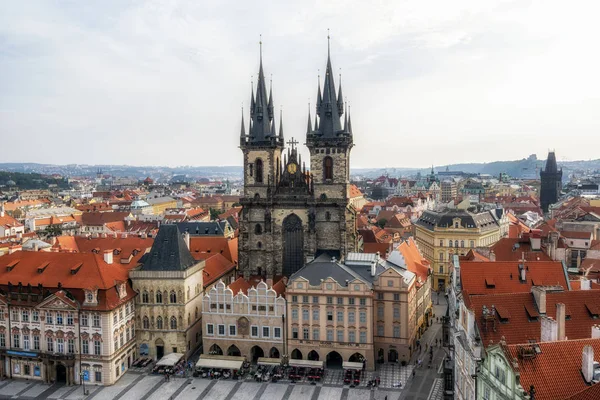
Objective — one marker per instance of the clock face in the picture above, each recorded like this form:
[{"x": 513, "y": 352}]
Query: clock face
[{"x": 292, "y": 168}]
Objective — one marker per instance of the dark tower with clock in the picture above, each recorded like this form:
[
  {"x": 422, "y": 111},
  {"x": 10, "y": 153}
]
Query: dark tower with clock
[{"x": 289, "y": 215}]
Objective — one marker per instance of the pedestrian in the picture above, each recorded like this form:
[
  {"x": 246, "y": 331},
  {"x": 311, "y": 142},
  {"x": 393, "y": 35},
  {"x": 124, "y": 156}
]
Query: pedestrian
[{"x": 413, "y": 373}]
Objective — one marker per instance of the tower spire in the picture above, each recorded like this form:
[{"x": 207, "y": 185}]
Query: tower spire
[
  {"x": 340, "y": 98},
  {"x": 349, "y": 122},
  {"x": 309, "y": 125},
  {"x": 261, "y": 107},
  {"x": 328, "y": 108},
  {"x": 281, "y": 124},
  {"x": 243, "y": 131},
  {"x": 270, "y": 106}
]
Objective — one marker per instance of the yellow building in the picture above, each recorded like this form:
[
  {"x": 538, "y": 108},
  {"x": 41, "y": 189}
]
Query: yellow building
[
  {"x": 160, "y": 204},
  {"x": 440, "y": 234}
]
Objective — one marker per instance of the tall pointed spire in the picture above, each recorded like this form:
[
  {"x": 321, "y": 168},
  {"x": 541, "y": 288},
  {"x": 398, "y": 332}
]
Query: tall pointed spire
[
  {"x": 349, "y": 122},
  {"x": 270, "y": 106},
  {"x": 345, "y": 120},
  {"x": 280, "y": 125},
  {"x": 340, "y": 98},
  {"x": 309, "y": 125},
  {"x": 328, "y": 108},
  {"x": 243, "y": 132},
  {"x": 319, "y": 97},
  {"x": 261, "y": 108}
]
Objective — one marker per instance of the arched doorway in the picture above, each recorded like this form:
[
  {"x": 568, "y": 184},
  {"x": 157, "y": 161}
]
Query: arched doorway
[
  {"x": 313, "y": 356},
  {"x": 334, "y": 360},
  {"x": 274, "y": 353},
  {"x": 256, "y": 352},
  {"x": 356, "y": 357},
  {"x": 61, "y": 373},
  {"x": 293, "y": 244},
  {"x": 234, "y": 351},
  {"x": 392, "y": 355},
  {"x": 380, "y": 356},
  {"x": 296, "y": 354},
  {"x": 160, "y": 348},
  {"x": 216, "y": 350}
]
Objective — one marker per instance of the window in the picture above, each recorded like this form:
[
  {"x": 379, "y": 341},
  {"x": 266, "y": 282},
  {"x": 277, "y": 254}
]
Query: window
[
  {"x": 396, "y": 331},
  {"x": 396, "y": 313},
  {"x": 210, "y": 329},
  {"x": 363, "y": 337},
  {"x": 50, "y": 345},
  {"x": 25, "y": 316},
  {"x": 396, "y": 296},
  {"x": 232, "y": 330},
  {"x": 305, "y": 299},
  {"x": 340, "y": 335},
  {"x": 173, "y": 297},
  {"x": 330, "y": 335},
  {"x": 259, "y": 170},
  {"x": 59, "y": 318},
  {"x": 329, "y": 315},
  {"x": 390, "y": 283},
  {"x": 501, "y": 374},
  {"x": 173, "y": 323},
  {"x": 340, "y": 316},
  {"x": 351, "y": 317},
  {"x": 329, "y": 300},
  {"x": 380, "y": 330},
  {"x": 1, "y": 314},
  {"x": 96, "y": 321},
  {"x": 315, "y": 315},
  {"x": 379, "y": 296},
  {"x": 159, "y": 297},
  {"x": 441, "y": 256},
  {"x": 352, "y": 336},
  {"x": 266, "y": 332},
  {"x": 295, "y": 313},
  {"x": 60, "y": 345},
  {"x": 254, "y": 331},
  {"x": 115, "y": 318},
  {"x": 16, "y": 340},
  {"x": 49, "y": 317},
  {"x": 294, "y": 299},
  {"x": 26, "y": 342},
  {"x": 305, "y": 314},
  {"x": 462, "y": 243},
  {"x": 441, "y": 242},
  {"x": 36, "y": 342},
  {"x": 351, "y": 301},
  {"x": 84, "y": 320},
  {"x": 120, "y": 313},
  {"x": 145, "y": 297},
  {"x": 327, "y": 168},
  {"x": 96, "y": 347},
  {"x": 315, "y": 299},
  {"x": 15, "y": 315},
  {"x": 294, "y": 333},
  {"x": 277, "y": 333},
  {"x": 71, "y": 346},
  {"x": 159, "y": 323},
  {"x": 472, "y": 243},
  {"x": 441, "y": 269},
  {"x": 258, "y": 229},
  {"x": 380, "y": 312},
  {"x": 2, "y": 340},
  {"x": 316, "y": 334},
  {"x": 340, "y": 300},
  {"x": 221, "y": 329},
  {"x": 449, "y": 243},
  {"x": 98, "y": 376},
  {"x": 146, "y": 323},
  {"x": 70, "y": 318},
  {"x": 305, "y": 334},
  {"x": 363, "y": 302},
  {"x": 363, "y": 317}
]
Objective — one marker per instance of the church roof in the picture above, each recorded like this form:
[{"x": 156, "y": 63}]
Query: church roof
[{"x": 169, "y": 252}]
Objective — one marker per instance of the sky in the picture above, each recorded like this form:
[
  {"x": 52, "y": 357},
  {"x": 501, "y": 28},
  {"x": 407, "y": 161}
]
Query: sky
[{"x": 428, "y": 82}]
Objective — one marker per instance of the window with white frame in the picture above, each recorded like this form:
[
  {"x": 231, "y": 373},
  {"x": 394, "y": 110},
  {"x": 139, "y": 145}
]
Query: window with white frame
[
  {"x": 305, "y": 314},
  {"x": 305, "y": 334},
  {"x": 221, "y": 330},
  {"x": 351, "y": 317},
  {"x": 330, "y": 335},
  {"x": 59, "y": 318},
  {"x": 294, "y": 333},
  {"x": 2, "y": 340},
  {"x": 352, "y": 336},
  {"x": 96, "y": 321},
  {"x": 266, "y": 332},
  {"x": 363, "y": 317},
  {"x": 26, "y": 342},
  {"x": 35, "y": 316},
  {"x": 97, "y": 347},
  {"x": 70, "y": 318},
  {"x": 254, "y": 331},
  {"x": 315, "y": 314},
  {"x": 50, "y": 344},
  {"x": 232, "y": 330},
  {"x": 396, "y": 331},
  {"x": 316, "y": 334},
  {"x": 85, "y": 345},
  {"x": 363, "y": 336},
  {"x": 380, "y": 330},
  {"x": 25, "y": 316},
  {"x": 340, "y": 316},
  {"x": 210, "y": 329},
  {"x": 277, "y": 333},
  {"x": 340, "y": 335},
  {"x": 60, "y": 345}
]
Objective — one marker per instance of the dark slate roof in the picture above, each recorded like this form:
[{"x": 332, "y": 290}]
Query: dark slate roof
[
  {"x": 485, "y": 220},
  {"x": 201, "y": 228},
  {"x": 169, "y": 252},
  {"x": 364, "y": 271},
  {"x": 322, "y": 268}
]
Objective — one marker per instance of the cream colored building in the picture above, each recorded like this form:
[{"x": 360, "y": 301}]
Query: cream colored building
[
  {"x": 169, "y": 304},
  {"x": 244, "y": 319},
  {"x": 440, "y": 234}
]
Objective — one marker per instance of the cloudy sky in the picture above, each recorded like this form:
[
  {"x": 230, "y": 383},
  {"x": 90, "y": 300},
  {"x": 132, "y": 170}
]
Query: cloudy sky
[{"x": 429, "y": 82}]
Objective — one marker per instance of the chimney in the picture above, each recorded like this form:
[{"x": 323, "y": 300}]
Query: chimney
[
  {"x": 2, "y": 209},
  {"x": 549, "y": 331},
  {"x": 539, "y": 294},
  {"x": 596, "y": 332},
  {"x": 523, "y": 273},
  {"x": 373, "y": 268},
  {"x": 561, "y": 312},
  {"x": 586, "y": 284},
  {"x": 35, "y": 247},
  {"x": 108, "y": 256},
  {"x": 186, "y": 239},
  {"x": 492, "y": 255},
  {"x": 587, "y": 363},
  {"x": 19, "y": 236}
]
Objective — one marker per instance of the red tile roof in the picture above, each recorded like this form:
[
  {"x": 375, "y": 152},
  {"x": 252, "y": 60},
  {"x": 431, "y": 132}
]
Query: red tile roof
[
  {"x": 101, "y": 218},
  {"x": 474, "y": 273},
  {"x": 215, "y": 267},
  {"x": 513, "y": 249},
  {"x": 589, "y": 393},
  {"x": 555, "y": 372},
  {"x": 240, "y": 285},
  {"x": 355, "y": 192},
  {"x": 414, "y": 260},
  {"x": 9, "y": 222},
  {"x": 203, "y": 247},
  {"x": 576, "y": 235}
]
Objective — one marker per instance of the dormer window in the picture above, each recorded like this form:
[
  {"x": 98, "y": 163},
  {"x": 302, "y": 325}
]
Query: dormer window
[
  {"x": 91, "y": 296},
  {"x": 122, "y": 291}
]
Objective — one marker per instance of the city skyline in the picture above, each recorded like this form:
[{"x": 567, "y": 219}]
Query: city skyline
[{"x": 423, "y": 82}]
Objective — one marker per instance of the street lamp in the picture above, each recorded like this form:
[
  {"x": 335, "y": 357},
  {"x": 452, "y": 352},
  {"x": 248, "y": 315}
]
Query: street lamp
[{"x": 82, "y": 380}]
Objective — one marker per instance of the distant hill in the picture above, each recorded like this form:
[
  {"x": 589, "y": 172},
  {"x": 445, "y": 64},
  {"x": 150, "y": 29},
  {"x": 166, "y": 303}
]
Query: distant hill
[{"x": 25, "y": 181}]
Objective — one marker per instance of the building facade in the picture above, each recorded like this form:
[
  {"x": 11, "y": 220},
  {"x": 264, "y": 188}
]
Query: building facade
[
  {"x": 244, "y": 320},
  {"x": 289, "y": 214},
  {"x": 169, "y": 307}
]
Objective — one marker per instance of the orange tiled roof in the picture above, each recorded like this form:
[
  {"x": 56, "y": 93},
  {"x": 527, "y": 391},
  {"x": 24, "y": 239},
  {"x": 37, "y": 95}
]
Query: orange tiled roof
[
  {"x": 415, "y": 262},
  {"x": 382, "y": 248},
  {"x": 576, "y": 235},
  {"x": 101, "y": 218},
  {"x": 513, "y": 249},
  {"x": 14, "y": 205},
  {"x": 203, "y": 247},
  {"x": 589, "y": 393},
  {"x": 240, "y": 285},
  {"x": 9, "y": 222},
  {"x": 555, "y": 372},
  {"x": 473, "y": 276},
  {"x": 474, "y": 255},
  {"x": 355, "y": 192},
  {"x": 232, "y": 212},
  {"x": 215, "y": 267},
  {"x": 518, "y": 326}
]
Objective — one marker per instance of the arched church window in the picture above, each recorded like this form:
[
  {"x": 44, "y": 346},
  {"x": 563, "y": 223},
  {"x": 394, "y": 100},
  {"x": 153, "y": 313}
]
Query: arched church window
[
  {"x": 159, "y": 297},
  {"x": 173, "y": 297},
  {"x": 159, "y": 323},
  {"x": 258, "y": 229},
  {"x": 256, "y": 196},
  {"x": 259, "y": 245},
  {"x": 259, "y": 170},
  {"x": 145, "y": 297},
  {"x": 146, "y": 323},
  {"x": 173, "y": 323},
  {"x": 328, "y": 168}
]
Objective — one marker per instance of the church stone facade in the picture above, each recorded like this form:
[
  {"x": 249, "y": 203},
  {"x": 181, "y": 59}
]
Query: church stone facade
[{"x": 290, "y": 215}]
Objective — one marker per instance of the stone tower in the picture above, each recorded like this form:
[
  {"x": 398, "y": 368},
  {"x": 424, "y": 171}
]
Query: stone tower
[
  {"x": 551, "y": 184},
  {"x": 289, "y": 214}
]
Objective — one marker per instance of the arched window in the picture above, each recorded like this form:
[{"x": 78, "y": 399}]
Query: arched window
[
  {"x": 146, "y": 323},
  {"x": 327, "y": 168},
  {"x": 462, "y": 243},
  {"x": 173, "y": 323},
  {"x": 259, "y": 170},
  {"x": 328, "y": 216},
  {"x": 449, "y": 243},
  {"x": 173, "y": 297},
  {"x": 259, "y": 245},
  {"x": 159, "y": 323},
  {"x": 258, "y": 229},
  {"x": 145, "y": 297},
  {"x": 159, "y": 297}
]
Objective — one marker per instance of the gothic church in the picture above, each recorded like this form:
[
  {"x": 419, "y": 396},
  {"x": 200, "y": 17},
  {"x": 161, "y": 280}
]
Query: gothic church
[{"x": 291, "y": 215}]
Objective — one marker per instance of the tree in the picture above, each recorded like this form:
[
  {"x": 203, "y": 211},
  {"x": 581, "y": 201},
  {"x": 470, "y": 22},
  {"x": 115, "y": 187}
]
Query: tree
[
  {"x": 381, "y": 223},
  {"x": 52, "y": 231},
  {"x": 214, "y": 214}
]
